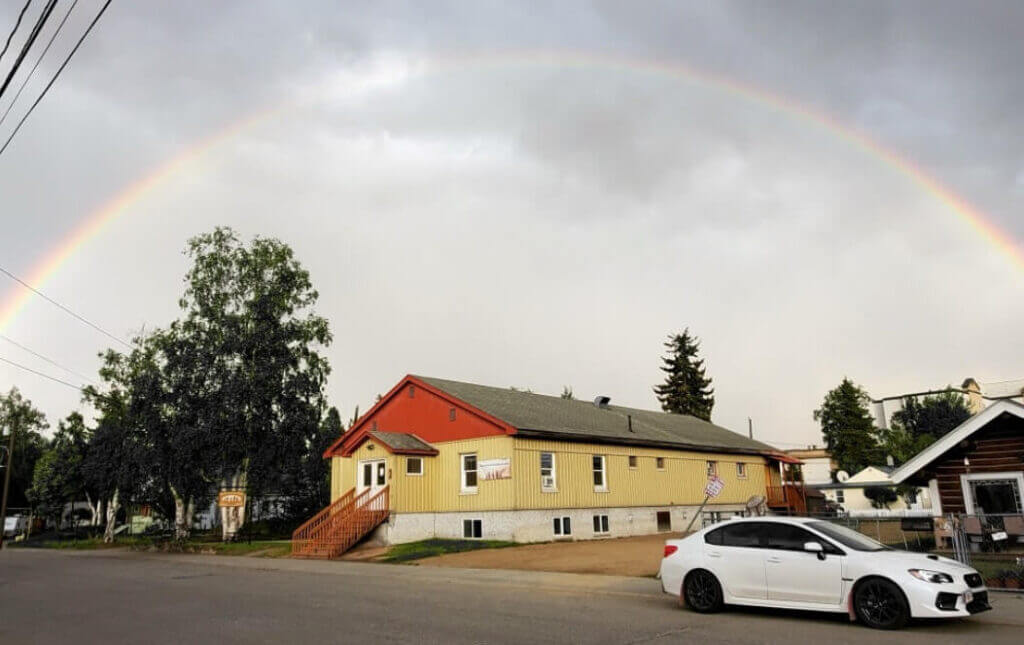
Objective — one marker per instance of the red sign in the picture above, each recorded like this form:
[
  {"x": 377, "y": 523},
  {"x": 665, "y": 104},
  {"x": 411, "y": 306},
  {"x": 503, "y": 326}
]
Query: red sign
[{"x": 714, "y": 486}]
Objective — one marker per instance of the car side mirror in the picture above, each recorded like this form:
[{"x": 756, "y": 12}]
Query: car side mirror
[{"x": 815, "y": 547}]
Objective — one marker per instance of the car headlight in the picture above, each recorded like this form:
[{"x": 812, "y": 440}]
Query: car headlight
[{"x": 931, "y": 576}]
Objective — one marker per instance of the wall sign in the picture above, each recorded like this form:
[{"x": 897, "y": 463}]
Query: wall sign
[
  {"x": 714, "y": 486},
  {"x": 231, "y": 499},
  {"x": 495, "y": 468}
]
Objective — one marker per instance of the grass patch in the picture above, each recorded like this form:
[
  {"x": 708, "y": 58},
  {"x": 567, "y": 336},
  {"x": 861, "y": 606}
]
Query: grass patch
[
  {"x": 83, "y": 544},
  {"x": 432, "y": 547}
]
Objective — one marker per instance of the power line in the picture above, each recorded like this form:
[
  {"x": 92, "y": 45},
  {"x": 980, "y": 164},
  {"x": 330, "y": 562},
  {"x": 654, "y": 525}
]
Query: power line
[
  {"x": 65, "y": 309},
  {"x": 52, "y": 80},
  {"x": 48, "y": 360},
  {"x": 13, "y": 31},
  {"x": 44, "y": 375},
  {"x": 43, "y": 17},
  {"x": 38, "y": 60}
]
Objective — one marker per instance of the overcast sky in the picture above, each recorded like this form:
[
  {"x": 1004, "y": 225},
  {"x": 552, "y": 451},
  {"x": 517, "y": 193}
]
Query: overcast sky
[{"x": 508, "y": 194}]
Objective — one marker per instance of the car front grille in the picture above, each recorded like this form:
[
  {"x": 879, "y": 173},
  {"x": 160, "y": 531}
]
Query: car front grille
[{"x": 973, "y": 580}]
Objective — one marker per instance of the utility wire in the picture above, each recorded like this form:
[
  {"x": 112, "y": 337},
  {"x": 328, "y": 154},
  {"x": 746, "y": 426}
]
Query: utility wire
[
  {"x": 65, "y": 309},
  {"x": 13, "y": 31},
  {"x": 48, "y": 360},
  {"x": 38, "y": 60},
  {"x": 43, "y": 17},
  {"x": 52, "y": 80},
  {"x": 44, "y": 375}
]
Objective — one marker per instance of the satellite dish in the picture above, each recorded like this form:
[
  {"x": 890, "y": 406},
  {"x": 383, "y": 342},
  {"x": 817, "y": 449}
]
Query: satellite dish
[
  {"x": 842, "y": 476},
  {"x": 756, "y": 504}
]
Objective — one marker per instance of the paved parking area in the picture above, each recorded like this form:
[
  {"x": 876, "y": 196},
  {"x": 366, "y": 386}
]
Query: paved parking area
[{"x": 122, "y": 597}]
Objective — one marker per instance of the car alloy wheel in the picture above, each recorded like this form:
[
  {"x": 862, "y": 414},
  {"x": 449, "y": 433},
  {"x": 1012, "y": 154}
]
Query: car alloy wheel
[
  {"x": 702, "y": 591},
  {"x": 880, "y": 604}
]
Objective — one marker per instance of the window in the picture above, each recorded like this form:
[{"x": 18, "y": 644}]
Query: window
[
  {"x": 381, "y": 473},
  {"x": 451, "y": 414},
  {"x": 548, "y": 483},
  {"x": 469, "y": 473},
  {"x": 473, "y": 529},
  {"x": 563, "y": 526},
  {"x": 412, "y": 391},
  {"x": 787, "y": 537},
  {"x": 601, "y": 524},
  {"x": 600, "y": 477},
  {"x": 847, "y": 537},
  {"x": 664, "y": 521},
  {"x": 659, "y": 462},
  {"x": 413, "y": 465},
  {"x": 743, "y": 534},
  {"x": 741, "y": 470},
  {"x": 714, "y": 537},
  {"x": 632, "y": 461},
  {"x": 993, "y": 493},
  {"x": 712, "y": 468},
  {"x": 841, "y": 496},
  {"x": 367, "y": 475}
]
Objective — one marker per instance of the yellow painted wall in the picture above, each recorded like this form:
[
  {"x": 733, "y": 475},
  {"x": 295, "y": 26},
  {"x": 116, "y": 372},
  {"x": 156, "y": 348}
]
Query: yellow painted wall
[
  {"x": 438, "y": 489},
  {"x": 681, "y": 482}
]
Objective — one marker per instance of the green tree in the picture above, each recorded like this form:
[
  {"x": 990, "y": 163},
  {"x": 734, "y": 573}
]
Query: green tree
[
  {"x": 921, "y": 421},
  {"x": 244, "y": 360},
  {"x": 19, "y": 416},
  {"x": 848, "y": 428},
  {"x": 880, "y": 496},
  {"x": 58, "y": 477},
  {"x": 687, "y": 389}
]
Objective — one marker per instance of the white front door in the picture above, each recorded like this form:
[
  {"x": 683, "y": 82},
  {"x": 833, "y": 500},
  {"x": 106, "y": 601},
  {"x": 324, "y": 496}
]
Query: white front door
[{"x": 372, "y": 474}]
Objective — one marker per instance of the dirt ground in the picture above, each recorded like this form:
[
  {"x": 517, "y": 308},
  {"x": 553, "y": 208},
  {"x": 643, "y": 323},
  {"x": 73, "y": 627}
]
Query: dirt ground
[{"x": 633, "y": 556}]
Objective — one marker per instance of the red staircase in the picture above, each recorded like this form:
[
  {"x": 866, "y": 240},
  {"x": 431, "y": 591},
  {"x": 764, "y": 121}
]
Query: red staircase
[{"x": 341, "y": 525}]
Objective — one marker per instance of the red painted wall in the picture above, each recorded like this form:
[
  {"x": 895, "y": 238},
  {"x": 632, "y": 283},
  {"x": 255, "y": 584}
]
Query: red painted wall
[{"x": 427, "y": 414}]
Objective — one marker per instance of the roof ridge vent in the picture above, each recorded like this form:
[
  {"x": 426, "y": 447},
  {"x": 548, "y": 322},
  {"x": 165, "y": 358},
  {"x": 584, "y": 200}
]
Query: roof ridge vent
[{"x": 602, "y": 401}]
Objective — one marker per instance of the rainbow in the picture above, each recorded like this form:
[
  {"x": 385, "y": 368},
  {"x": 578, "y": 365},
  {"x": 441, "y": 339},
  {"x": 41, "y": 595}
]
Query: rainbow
[{"x": 120, "y": 204}]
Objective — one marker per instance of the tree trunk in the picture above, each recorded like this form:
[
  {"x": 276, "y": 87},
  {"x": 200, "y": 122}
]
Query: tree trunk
[
  {"x": 108, "y": 532},
  {"x": 183, "y": 511},
  {"x": 94, "y": 510}
]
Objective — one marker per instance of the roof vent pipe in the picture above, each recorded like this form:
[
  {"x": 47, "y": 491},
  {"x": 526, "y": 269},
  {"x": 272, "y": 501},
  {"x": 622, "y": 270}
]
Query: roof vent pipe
[
  {"x": 602, "y": 401},
  {"x": 629, "y": 422}
]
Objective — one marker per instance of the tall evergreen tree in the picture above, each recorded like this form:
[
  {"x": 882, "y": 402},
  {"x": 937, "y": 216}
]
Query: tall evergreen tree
[
  {"x": 687, "y": 389},
  {"x": 848, "y": 429}
]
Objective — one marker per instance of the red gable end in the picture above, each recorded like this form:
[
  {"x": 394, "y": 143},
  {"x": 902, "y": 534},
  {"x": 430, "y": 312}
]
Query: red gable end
[{"x": 415, "y": 407}]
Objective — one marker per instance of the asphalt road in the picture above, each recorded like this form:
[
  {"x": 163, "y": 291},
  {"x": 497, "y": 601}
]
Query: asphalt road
[{"x": 119, "y": 597}]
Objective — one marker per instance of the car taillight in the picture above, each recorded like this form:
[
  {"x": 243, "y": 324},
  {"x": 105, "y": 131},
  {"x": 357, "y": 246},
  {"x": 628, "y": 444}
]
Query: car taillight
[{"x": 670, "y": 549}]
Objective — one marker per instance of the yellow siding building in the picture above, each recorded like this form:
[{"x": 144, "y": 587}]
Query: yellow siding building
[{"x": 464, "y": 460}]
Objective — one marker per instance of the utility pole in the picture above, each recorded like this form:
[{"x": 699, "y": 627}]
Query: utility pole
[
  {"x": 750, "y": 427},
  {"x": 7, "y": 486}
]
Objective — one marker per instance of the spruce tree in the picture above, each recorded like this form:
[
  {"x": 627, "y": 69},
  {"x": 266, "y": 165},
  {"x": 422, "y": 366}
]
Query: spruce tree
[
  {"x": 687, "y": 389},
  {"x": 848, "y": 429}
]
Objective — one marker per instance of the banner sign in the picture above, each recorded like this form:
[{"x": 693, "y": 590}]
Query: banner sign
[
  {"x": 231, "y": 499},
  {"x": 495, "y": 469},
  {"x": 714, "y": 486}
]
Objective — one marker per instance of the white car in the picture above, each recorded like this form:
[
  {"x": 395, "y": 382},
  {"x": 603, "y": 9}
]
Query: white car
[{"x": 803, "y": 563}]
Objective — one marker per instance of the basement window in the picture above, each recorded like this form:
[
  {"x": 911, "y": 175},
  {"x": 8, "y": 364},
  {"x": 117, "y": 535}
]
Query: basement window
[
  {"x": 473, "y": 529},
  {"x": 601, "y": 524},
  {"x": 414, "y": 466},
  {"x": 664, "y": 521},
  {"x": 563, "y": 526}
]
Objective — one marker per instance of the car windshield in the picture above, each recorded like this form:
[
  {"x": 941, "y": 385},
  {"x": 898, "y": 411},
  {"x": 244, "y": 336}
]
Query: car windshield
[{"x": 847, "y": 537}]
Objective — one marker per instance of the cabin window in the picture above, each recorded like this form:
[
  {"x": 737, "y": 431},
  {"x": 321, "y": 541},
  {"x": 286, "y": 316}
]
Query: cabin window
[
  {"x": 413, "y": 465},
  {"x": 600, "y": 476},
  {"x": 473, "y": 529},
  {"x": 469, "y": 473},
  {"x": 563, "y": 526},
  {"x": 712, "y": 468},
  {"x": 548, "y": 483},
  {"x": 601, "y": 524},
  {"x": 659, "y": 463},
  {"x": 741, "y": 470},
  {"x": 993, "y": 493},
  {"x": 632, "y": 461}
]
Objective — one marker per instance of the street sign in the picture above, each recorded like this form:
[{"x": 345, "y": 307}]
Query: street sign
[
  {"x": 231, "y": 499},
  {"x": 714, "y": 486}
]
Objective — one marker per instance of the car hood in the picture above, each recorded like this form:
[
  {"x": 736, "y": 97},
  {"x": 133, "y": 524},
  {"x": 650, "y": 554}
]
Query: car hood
[{"x": 910, "y": 560}]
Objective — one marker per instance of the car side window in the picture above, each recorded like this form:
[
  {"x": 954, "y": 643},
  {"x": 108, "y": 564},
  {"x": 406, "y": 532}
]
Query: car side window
[
  {"x": 745, "y": 534},
  {"x": 714, "y": 537},
  {"x": 787, "y": 537}
]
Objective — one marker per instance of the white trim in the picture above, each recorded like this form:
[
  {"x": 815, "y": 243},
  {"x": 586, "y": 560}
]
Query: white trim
[
  {"x": 409, "y": 474},
  {"x": 463, "y": 488},
  {"x": 965, "y": 486},
  {"x": 554, "y": 473},
  {"x": 955, "y": 436},
  {"x": 933, "y": 493},
  {"x": 603, "y": 488}
]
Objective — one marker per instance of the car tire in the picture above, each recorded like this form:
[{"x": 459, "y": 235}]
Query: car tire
[
  {"x": 702, "y": 592},
  {"x": 880, "y": 604}
]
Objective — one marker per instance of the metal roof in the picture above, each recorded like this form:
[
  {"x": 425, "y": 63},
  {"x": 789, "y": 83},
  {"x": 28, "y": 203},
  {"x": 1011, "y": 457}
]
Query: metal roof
[{"x": 403, "y": 442}]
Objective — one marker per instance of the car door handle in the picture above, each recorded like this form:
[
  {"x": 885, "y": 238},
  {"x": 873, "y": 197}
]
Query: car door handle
[
  {"x": 714, "y": 554},
  {"x": 773, "y": 559}
]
